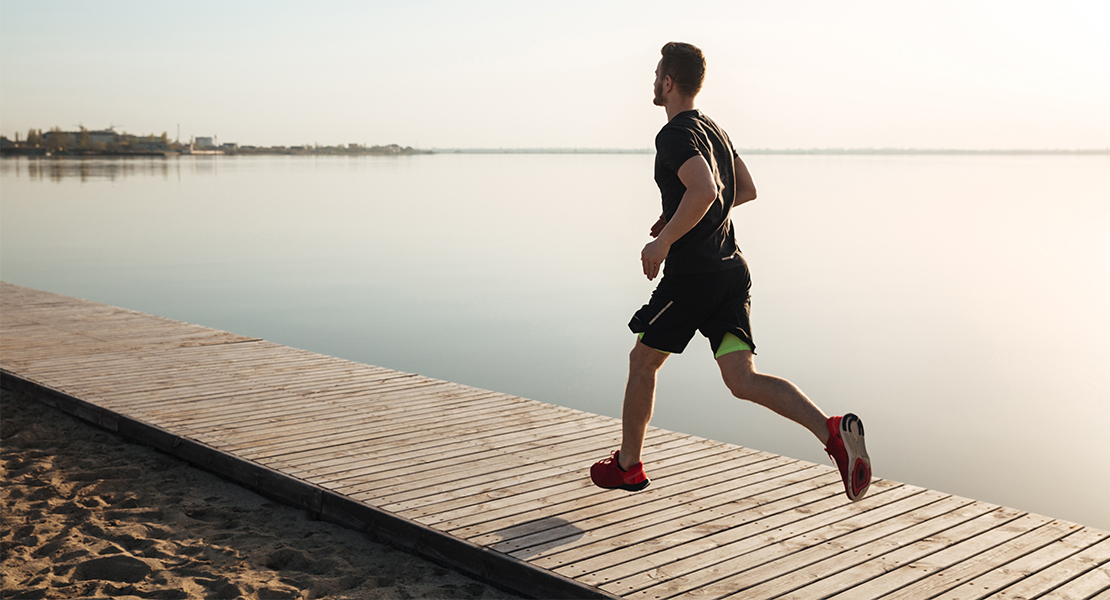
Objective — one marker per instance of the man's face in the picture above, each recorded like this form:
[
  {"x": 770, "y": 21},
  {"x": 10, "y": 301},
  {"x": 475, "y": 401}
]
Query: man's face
[{"x": 659, "y": 101}]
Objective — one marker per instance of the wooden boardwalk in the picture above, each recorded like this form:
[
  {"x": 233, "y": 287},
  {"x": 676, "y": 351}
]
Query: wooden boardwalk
[{"x": 497, "y": 486}]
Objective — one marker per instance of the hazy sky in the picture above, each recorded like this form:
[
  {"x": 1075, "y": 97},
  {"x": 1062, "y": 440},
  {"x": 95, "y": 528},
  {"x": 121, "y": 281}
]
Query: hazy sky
[{"x": 793, "y": 74}]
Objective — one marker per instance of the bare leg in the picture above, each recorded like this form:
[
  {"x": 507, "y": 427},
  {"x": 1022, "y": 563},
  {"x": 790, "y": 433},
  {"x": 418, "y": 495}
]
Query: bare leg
[
  {"x": 639, "y": 401},
  {"x": 775, "y": 393}
]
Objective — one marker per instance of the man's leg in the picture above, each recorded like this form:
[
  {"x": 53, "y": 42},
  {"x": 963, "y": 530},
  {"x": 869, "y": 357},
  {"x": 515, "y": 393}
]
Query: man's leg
[
  {"x": 639, "y": 401},
  {"x": 623, "y": 469},
  {"x": 842, "y": 436},
  {"x": 775, "y": 393}
]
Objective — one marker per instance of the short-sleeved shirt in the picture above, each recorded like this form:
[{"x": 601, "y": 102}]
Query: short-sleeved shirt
[{"x": 711, "y": 244}]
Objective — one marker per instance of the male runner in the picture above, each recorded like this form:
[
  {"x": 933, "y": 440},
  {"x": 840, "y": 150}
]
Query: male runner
[{"x": 705, "y": 285}]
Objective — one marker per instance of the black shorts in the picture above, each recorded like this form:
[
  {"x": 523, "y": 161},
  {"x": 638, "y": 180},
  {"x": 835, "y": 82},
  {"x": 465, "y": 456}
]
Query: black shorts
[{"x": 713, "y": 303}]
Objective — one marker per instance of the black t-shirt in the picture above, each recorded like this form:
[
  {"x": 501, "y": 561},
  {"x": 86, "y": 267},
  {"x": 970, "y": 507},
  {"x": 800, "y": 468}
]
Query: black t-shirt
[{"x": 711, "y": 244}]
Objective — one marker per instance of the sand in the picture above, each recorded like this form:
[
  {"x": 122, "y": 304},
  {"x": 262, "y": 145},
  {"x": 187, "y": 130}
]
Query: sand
[{"x": 87, "y": 514}]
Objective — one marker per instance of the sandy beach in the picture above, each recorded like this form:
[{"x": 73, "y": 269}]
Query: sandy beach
[{"x": 87, "y": 514}]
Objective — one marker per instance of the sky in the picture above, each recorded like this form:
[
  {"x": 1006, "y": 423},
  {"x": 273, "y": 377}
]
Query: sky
[{"x": 965, "y": 74}]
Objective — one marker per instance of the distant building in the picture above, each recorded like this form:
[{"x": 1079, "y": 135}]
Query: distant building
[
  {"x": 147, "y": 145},
  {"x": 203, "y": 142},
  {"x": 73, "y": 139},
  {"x": 60, "y": 139},
  {"x": 106, "y": 136}
]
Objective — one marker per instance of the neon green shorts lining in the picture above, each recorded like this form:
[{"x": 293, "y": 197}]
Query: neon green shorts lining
[{"x": 730, "y": 343}]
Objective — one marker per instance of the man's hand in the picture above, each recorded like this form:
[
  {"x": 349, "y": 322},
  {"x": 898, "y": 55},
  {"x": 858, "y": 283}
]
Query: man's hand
[
  {"x": 652, "y": 256},
  {"x": 658, "y": 227}
]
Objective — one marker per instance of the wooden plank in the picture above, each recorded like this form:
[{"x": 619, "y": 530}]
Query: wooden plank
[
  {"x": 160, "y": 384},
  {"x": 919, "y": 576},
  {"x": 684, "y": 529},
  {"x": 220, "y": 399},
  {"x": 548, "y": 488},
  {"x": 1075, "y": 539},
  {"x": 279, "y": 435},
  {"x": 1094, "y": 584},
  {"x": 523, "y": 494},
  {"x": 750, "y": 544},
  {"x": 368, "y": 462},
  {"x": 837, "y": 556},
  {"x": 994, "y": 558},
  {"x": 968, "y": 521},
  {"x": 398, "y": 433},
  {"x": 348, "y": 464},
  {"x": 527, "y": 540},
  {"x": 691, "y": 461},
  {"x": 212, "y": 405},
  {"x": 462, "y": 484},
  {"x": 1045, "y": 580},
  {"x": 431, "y": 450},
  {"x": 750, "y": 467},
  {"x": 483, "y": 465},
  {"x": 330, "y": 482},
  {"x": 814, "y": 555},
  {"x": 254, "y": 428},
  {"x": 215, "y": 360}
]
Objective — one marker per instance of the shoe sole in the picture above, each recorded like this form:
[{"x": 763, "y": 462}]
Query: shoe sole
[
  {"x": 859, "y": 464},
  {"x": 635, "y": 487}
]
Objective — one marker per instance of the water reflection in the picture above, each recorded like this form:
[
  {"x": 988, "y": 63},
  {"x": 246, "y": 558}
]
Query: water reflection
[
  {"x": 88, "y": 169},
  {"x": 115, "y": 168}
]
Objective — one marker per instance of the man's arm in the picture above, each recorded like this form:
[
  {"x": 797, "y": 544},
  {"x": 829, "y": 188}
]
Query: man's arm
[
  {"x": 745, "y": 187},
  {"x": 701, "y": 191}
]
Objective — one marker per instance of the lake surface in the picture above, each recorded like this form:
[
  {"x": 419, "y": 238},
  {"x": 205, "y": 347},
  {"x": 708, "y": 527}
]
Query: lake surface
[{"x": 957, "y": 303}]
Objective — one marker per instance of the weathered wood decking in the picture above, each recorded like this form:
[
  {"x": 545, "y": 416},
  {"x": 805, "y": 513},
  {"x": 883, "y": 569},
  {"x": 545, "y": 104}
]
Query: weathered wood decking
[{"x": 497, "y": 485}]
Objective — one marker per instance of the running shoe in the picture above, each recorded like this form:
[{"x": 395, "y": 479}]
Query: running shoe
[
  {"x": 608, "y": 474},
  {"x": 848, "y": 452}
]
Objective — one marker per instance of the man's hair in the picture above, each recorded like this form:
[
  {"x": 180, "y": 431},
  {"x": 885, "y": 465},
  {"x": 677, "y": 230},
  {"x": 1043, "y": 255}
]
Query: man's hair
[{"x": 685, "y": 64}]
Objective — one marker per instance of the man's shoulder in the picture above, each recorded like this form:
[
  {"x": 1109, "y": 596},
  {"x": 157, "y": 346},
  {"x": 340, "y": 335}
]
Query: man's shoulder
[
  {"x": 669, "y": 135},
  {"x": 684, "y": 126},
  {"x": 696, "y": 125},
  {"x": 686, "y": 120},
  {"x": 692, "y": 123}
]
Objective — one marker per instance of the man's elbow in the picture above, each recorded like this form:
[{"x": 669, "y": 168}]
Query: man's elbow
[{"x": 744, "y": 195}]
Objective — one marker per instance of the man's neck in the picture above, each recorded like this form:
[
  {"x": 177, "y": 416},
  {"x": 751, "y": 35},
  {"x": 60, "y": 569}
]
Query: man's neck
[{"x": 679, "y": 104}]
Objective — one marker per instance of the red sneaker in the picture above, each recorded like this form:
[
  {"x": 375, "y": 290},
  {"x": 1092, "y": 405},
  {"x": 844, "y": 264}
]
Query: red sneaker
[
  {"x": 848, "y": 452},
  {"x": 609, "y": 474}
]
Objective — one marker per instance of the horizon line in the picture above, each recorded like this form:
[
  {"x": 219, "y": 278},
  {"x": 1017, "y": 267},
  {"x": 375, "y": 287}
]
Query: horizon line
[{"x": 591, "y": 150}]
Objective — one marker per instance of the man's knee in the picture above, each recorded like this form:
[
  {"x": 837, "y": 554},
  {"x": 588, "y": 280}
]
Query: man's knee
[
  {"x": 738, "y": 373},
  {"x": 739, "y": 384}
]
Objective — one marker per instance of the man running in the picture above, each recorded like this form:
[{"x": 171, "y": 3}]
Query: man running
[{"x": 705, "y": 285}]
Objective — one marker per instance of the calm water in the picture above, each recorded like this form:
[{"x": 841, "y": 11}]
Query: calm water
[{"x": 957, "y": 303}]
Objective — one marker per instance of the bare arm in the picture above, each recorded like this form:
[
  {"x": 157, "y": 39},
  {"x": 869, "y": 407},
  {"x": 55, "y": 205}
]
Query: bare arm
[
  {"x": 701, "y": 191},
  {"x": 745, "y": 187},
  {"x": 745, "y": 192}
]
